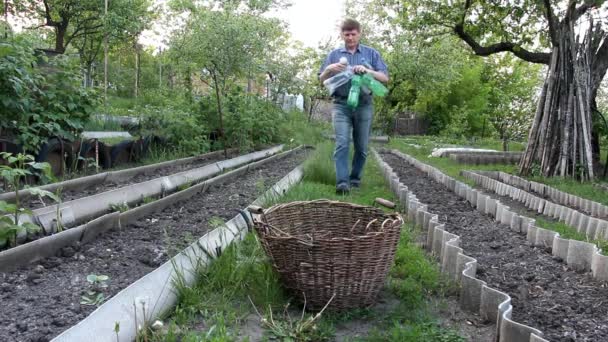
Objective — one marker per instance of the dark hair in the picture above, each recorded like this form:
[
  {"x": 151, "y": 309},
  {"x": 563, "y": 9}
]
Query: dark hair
[{"x": 349, "y": 25}]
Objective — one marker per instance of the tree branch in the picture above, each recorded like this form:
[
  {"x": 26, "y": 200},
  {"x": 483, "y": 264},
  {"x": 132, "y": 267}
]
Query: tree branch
[
  {"x": 548, "y": 12},
  {"x": 47, "y": 15},
  {"x": 533, "y": 57},
  {"x": 582, "y": 9}
]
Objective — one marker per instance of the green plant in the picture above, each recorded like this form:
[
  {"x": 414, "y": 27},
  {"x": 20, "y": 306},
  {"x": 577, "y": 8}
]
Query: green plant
[
  {"x": 19, "y": 167},
  {"x": 147, "y": 200},
  {"x": 120, "y": 207},
  {"x": 288, "y": 328},
  {"x": 94, "y": 295},
  {"x": 37, "y": 102},
  {"x": 260, "y": 186},
  {"x": 117, "y": 330},
  {"x": 215, "y": 222},
  {"x": 184, "y": 186}
]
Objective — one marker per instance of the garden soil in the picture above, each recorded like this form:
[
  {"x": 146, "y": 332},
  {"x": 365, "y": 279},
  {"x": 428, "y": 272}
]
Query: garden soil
[
  {"x": 43, "y": 299},
  {"x": 546, "y": 294}
]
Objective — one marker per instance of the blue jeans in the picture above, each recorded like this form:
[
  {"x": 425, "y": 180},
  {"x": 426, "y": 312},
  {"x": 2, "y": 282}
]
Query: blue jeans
[{"x": 359, "y": 122}]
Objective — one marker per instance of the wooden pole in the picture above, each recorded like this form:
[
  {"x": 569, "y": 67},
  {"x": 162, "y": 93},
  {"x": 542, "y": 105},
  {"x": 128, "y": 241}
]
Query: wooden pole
[
  {"x": 136, "y": 92},
  {"x": 160, "y": 68},
  {"x": 105, "y": 57},
  {"x": 5, "y": 19}
]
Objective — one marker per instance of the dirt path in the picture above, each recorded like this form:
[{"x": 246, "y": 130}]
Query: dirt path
[
  {"x": 564, "y": 304},
  {"x": 40, "y": 301}
]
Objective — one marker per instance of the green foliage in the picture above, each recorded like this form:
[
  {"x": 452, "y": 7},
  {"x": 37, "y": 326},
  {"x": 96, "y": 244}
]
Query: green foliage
[
  {"x": 511, "y": 100},
  {"x": 184, "y": 131},
  {"x": 229, "y": 45},
  {"x": 120, "y": 207},
  {"x": 94, "y": 295},
  {"x": 428, "y": 331},
  {"x": 249, "y": 120},
  {"x": 296, "y": 129},
  {"x": 39, "y": 102},
  {"x": 17, "y": 169}
]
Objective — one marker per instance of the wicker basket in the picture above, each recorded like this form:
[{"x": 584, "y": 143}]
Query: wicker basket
[{"x": 330, "y": 252}]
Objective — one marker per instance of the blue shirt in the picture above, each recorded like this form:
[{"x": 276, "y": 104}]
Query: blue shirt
[{"x": 363, "y": 54}]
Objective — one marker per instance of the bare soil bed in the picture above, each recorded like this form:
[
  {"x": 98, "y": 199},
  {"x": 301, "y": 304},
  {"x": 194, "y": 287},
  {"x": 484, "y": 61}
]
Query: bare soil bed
[
  {"x": 43, "y": 299},
  {"x": 564, "y": 304},
  {"x": 34, "y": 203},
  {"x": 548, "y": 198}
]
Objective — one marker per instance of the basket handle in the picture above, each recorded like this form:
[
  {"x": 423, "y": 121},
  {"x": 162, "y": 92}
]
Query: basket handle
[
  {"x": 254, "y": 209},
  {"x": 385, "y": 203}
]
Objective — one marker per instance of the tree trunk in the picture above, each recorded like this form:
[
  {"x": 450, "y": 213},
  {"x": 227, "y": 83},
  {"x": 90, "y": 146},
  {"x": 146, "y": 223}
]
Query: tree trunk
[
  {"x": 560, "y": 140},
  {"x": 137, "y": 70},
  {"x": 60, "y": 32},
  {"x": 219, "y": 112}
]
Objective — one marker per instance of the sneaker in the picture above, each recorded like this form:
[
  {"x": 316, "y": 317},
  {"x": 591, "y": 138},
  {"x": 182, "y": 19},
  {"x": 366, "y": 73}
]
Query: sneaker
[
  {"x": 355, "y": 184},
  {"x": 342, "y": 189}
]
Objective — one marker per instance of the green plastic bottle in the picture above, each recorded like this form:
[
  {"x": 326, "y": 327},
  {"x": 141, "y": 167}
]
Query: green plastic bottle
[
  {"x": 355, "y": 90},
  {"x": 376, "y": 87}
]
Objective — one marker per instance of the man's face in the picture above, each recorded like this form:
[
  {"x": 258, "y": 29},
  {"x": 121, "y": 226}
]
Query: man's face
[{"x": 351, "y": 38}]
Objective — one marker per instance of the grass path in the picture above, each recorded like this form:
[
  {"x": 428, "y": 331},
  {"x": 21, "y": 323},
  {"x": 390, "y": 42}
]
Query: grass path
[{"x": 220, "y": 306}]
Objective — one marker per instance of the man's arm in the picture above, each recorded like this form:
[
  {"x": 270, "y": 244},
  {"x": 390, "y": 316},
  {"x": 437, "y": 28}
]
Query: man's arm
[
  {"x": 331, "y": 70},
  {"x": 328, "y": 69},
  {"x": 378, "y": 69}
]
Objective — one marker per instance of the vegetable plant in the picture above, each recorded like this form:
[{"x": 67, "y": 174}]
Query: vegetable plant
[
  {"x": 95, "y": 296},
  {"x": 16, "y": 171}
]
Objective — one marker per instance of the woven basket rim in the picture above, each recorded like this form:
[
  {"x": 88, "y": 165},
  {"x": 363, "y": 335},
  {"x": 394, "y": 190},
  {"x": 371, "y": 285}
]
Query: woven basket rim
[{"x": 395, "y": 220}]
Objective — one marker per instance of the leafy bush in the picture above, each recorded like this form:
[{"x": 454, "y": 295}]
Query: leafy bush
[
  {"x": 40, "y": 100},
  {"x": 181, "y": 129},
  {"x": 249, "y": 121}
]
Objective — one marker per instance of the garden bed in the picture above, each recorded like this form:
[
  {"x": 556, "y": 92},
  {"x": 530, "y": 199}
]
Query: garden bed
[
  {"x": 117, "y": 182},
  {"x": 42, "y": 300},
  {"x": 546, "y": 294}
]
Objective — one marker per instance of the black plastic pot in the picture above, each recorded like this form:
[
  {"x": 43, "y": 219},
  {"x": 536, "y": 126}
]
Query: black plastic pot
[
  {"x": 122, "y": 153},
  {"x": 87, "y": 154},
  {"x": 58, "y": 153}
]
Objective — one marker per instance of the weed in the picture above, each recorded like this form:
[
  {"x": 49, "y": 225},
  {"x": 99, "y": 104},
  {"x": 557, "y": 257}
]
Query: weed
[
  {"x": 184, "y": 186},
  {"x": 148, "y": 200},
  {"x": 117, "y": 330},
  {"x": 216, "y": 222},
  {"x": 94, "y": 295},
  {"x": 260, "y": 186},
  {"x": 120, "y": 207},
  {"x": 289, "y": 329}
]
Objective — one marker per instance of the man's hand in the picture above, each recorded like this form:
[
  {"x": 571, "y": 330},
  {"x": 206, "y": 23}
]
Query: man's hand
[
  {"x": 360, "y": 69},
  {"x": 335, "y": 68}
]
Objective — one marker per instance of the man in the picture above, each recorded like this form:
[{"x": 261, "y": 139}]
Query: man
[{"x": 345, "y": 119}]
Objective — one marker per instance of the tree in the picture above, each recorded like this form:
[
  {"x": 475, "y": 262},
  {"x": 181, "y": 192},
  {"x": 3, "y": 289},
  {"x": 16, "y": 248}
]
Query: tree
[
  {"x": 227, "y": 45},
  {"x": 73, "y": 19},
  {"x": 514, "y": 83},
  {"x": 567, "y": 37}
]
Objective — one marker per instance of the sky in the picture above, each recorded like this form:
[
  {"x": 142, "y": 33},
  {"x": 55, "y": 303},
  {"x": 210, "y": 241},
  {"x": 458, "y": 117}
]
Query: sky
[
  {"x": 312, "y": 21},
  {"x": 309, "y": 21}
]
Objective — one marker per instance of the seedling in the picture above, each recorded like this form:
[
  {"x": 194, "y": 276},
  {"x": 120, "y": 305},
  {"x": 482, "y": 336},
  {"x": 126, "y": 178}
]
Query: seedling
[
  {"x": 17, "y": 170},
  {"x": 95, "y": 296}
]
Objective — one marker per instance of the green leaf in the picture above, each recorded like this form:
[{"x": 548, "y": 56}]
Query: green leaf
[
  {"x": 102, "y": 277},
  {"x": 30, "y": 227},
  {"x": 92, "y": 278}
]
